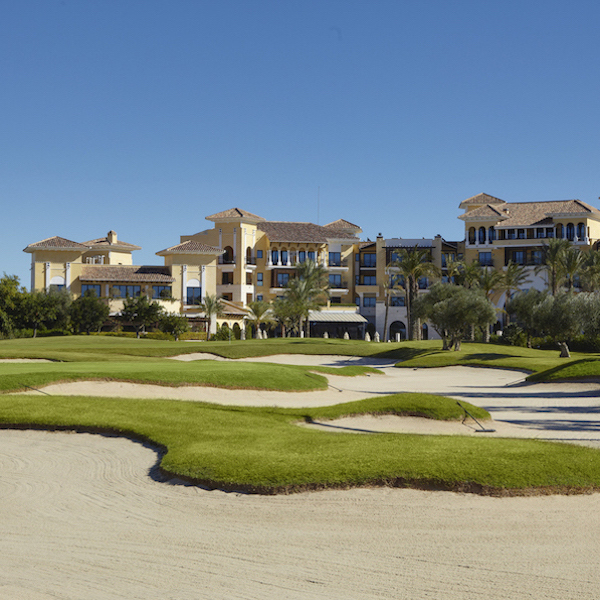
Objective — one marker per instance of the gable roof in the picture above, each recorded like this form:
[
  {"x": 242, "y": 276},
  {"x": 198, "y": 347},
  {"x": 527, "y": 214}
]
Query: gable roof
[
  {"x": 234, "y": 214},
  {"x": 191, "y": 247},
  {"x": 342, "y": 224},
  {"x": 56, "y": 243},
  {"x": 297, "y": 232},
  {"x": 105, "y": 244},
  {"x": 480, "y": 199},
  {"x": 126, "y": 274}
]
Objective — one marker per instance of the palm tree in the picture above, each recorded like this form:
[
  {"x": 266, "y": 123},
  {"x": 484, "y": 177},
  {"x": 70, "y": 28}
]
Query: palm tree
[
  {"x": 307, "y": 291},
  {"x": 490, "y": 282},
  {"x": 552, "y": 264},
  {"x": 260, "y": 312},
  {"x": 514, "y": 277},
  {"x": 391, "y": 284},
  {"x": 591, "y": 271},
  {"x": 212, "y": 306},
  {"x": 572, "y": 262},
  {"x": 414, "y": 264}
]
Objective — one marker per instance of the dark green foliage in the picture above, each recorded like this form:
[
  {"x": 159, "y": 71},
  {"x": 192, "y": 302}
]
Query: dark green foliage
[
  {"x": 141, "y": 313},
  {"x": 88, "y": 313}
]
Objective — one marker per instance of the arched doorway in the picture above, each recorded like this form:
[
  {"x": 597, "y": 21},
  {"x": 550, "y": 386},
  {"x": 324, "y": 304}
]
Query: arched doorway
[
  {"x": 397, "y": 327},
  {"x": 424, "y": 332}
]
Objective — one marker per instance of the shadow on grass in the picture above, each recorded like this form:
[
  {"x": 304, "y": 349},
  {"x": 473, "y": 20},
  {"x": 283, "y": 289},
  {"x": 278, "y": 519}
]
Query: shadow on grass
[{"x": 556, "y": 372}]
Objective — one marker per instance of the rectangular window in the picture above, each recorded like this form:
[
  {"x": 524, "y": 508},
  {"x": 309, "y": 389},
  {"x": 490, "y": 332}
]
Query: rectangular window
[
  {"x": 369, "y": 301},
  {"x": 537, "y": 256},
  {"x": 193, "y": 296},
  {"x": 423, "y": 283},
  {"x": 370, "y": 260},
  {"x": 161, "y": 291},
  {"x": 549, "y": 232},
  {"x": 227, "y": 278},
  {"x": 259, "y": 297},
  {"x": 259, "y": 254},
  {"x": 91, "y": 288},
  {"x": 485, "y": 259},
  {"x": 125, "y": 291},
  {"x": 282, "y": 279},
  {"x": 259, "y": 279},
  {"x": 397, "y": 301},
  {"x": 311, "y": 256},
  {"x": 519, "y": 257},
  {"x": 335, "y": 281},
  {"x": 335, "y": 259},
  {"x": 248, "y": 278},
  {"x": 302, "y": 256},
  {"x": 521, "y": 234},
  {"x": 335, "y": 300},
  {"x": 369, "y": 280}
]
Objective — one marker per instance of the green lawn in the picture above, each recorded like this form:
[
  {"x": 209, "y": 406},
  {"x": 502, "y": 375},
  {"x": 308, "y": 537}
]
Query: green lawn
[{"x": 262, "y": 449}]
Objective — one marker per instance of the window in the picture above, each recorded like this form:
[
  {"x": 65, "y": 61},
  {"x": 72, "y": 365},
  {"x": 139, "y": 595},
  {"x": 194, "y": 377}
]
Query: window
[
  {"x": 369, "y": 301},
  {"x": 259, "y": 254},
  {"x": 519, "y": 257},
  {"x": 559, "y": 231},
  {"x": 259, "y": 279},
  {"x": 335, "y": 300},
  {"x": 369, "y": 280},
  {"x": 357, "y": 301},
  {"x": 397, "y": 301},
  {"x": 161, "y": 291},
  {"x": 335, "y": 259},
  {"x": 125, "y": 291},
  {"x": 248, "y": 278},
  {"x": 284, "y": 257},
  {"x": 282, "y": 279},
  {"x": 491, "y": 234},
  {"x": 193, "y": 295},
  {"x": 88, "y": 287},
  {"x": 482, "y": 235},
  {"x": 259, "y": 297},
  {"x": 302, "y": 256},
  {"x": 57, "y": 287},
  {"x": 275, "y": 256},
  {"x": 311, "y": 256},
  {"x": 549, "y": 232},
  {"x": 521, "y": 234},
  {"x": 580, "y": 231},
  {"x": 570, "y": 232},
  {"x": 423, "y": 283},
  {"x": 510, "y": 234},
  {"x": 485, "y": 259},
  {"x": 227, "y": 278},
  {"x": 471, "y": 235},
  {"x": 538, "y": 257},
  {"x": 335, "y": 281},
  {"x": 370, "y": 260},
  {"x": 540, "y": 232}
]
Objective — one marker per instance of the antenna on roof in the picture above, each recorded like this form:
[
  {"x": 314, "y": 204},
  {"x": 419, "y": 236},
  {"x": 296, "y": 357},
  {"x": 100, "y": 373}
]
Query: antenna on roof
[{"x": 318, "y": 202}]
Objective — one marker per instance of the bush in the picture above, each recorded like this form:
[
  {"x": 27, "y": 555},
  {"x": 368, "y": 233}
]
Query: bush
[{"x": 514, "y": 335}]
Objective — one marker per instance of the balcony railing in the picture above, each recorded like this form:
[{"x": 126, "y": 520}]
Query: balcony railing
[{"x": 226, "y": 260}]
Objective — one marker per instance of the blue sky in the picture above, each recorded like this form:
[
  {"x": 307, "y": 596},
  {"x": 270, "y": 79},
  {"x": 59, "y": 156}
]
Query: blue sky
[{"x": 145, "y": 116}]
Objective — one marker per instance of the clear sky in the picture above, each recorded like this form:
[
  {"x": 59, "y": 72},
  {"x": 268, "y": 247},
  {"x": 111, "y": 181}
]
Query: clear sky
[{"x": 145, "y": 116}]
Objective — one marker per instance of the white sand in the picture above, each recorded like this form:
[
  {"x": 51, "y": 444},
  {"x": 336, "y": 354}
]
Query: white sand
[{"x": 80, "y": 517}]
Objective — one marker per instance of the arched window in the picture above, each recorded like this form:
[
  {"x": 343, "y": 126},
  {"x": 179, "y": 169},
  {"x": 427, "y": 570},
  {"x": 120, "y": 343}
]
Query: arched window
[
  {"x": 491, "y": 234},
  {"x": 482, "y": 235},
  {"x": 193, "y": 292},
  {"x": 397, "y": 327},
  {"x": 249, "y": 260},
  {"x": 424, "y": 332},
  {"x": 570, "y": 232},
  {"x": 581, "y": 231},
  {"x": 57, "y": 283},
  {"x": 560, "y": 231},
  {"x": 228, "y": 256},
  {"x": 472, "y": 235}
]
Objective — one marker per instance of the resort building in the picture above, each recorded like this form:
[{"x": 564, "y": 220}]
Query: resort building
[{"x": 497, "y": 232}]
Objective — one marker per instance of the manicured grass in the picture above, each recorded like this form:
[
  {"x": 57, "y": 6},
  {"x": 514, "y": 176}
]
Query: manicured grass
[
  {"x": 263, "y": 450},
  {"x": 238, "y": 375}
]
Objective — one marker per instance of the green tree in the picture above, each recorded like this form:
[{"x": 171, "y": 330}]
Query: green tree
[
  {"x": 11, "y": 295},
  {"x": 573, "y": 262},
  {"x": 141, "y": 313},
  {"x": 88, "y": 312},
  {"x": 590, "y": 276},
  {"x": 260, "y": 313},
  {"x": 284, "y": 314},
  {"x": 557, "y": 317},
  {"x": 37, "y": 308},
  {"x": 523, "y": 306},
  {"x": 307, "y": 291},
  {"x": 514, "y": 277},
  {"x": 453, "y": 310},
  {"x": 414, "y": 264},
  {"x": 174, "y": 324},
  {"x": 553, "y": 262},
  {"x": 212, "y": 308}
]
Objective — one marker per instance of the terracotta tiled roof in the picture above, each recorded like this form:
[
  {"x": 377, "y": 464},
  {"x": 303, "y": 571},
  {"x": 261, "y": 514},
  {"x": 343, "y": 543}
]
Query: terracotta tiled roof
[
  {"x": 234, "y": 213},
  {"x": 191, "y": 247},
  {"x": 480, "y": 199},
  {"x": 126, "y": 274},
  {"x": 56, "y": 243},
  {"x": 288, "y": 231},
  {"x": 343, "y": 224},
  {"x": 231, "y": 309},
  {"x": 103, "y": 243},
  {"x": 408, "y": 243},
  {"x": 363, "y": 245},
  {"x": 532, "y": 214}
]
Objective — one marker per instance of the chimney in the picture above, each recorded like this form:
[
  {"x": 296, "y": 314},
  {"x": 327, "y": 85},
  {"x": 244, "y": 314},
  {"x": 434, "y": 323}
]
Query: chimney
[{"x": 112, "y": 237}]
